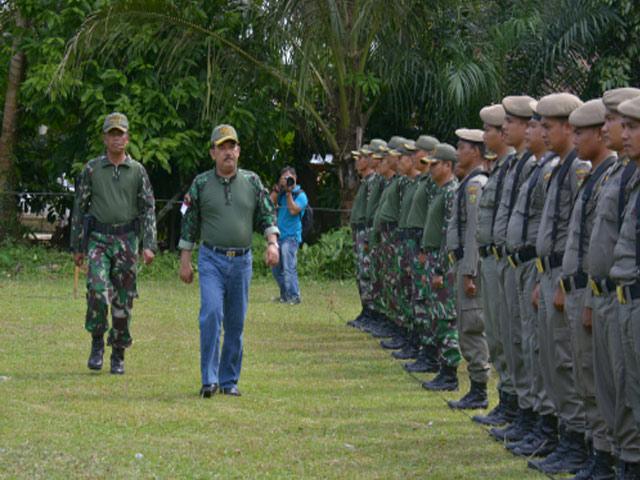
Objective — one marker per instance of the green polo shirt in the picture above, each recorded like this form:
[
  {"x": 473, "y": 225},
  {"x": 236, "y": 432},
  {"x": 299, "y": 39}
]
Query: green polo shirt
[
  {"x": 359, "y": 207},
  {"x": 417, "y": 215},
  {"x": 407, "y": 199},
  {"x": 376, "y": 186},
  {"x": 389, "y": 209}
]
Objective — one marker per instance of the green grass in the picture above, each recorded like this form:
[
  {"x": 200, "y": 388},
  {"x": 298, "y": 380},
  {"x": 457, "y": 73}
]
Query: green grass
[{"x": 320, "y": 400}]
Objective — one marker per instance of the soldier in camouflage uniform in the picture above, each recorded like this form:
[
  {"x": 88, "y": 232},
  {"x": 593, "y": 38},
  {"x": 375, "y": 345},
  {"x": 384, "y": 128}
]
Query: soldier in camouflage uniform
[
  {"x": 114, "y": 206},
  {"x": 438, "y": 282}
]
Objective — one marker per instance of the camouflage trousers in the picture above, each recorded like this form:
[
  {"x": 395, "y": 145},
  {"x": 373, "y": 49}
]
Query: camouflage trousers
[
  {"x": 363, "y": 266},
  {"x": 407, "y": 246},
  {"x": 436, "y": 311},
  {"x": 385, "y": 275},
  {"x": 111, "y": 280}
]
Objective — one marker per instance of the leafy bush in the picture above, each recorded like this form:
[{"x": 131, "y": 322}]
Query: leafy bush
[{"x": 330, "y": 258}]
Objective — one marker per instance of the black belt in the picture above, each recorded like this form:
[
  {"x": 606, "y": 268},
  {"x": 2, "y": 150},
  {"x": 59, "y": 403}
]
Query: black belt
[
  {"x": 485, "y": 250},
  {"x": 549, "y": 262},
  {"x": 388, "y": 226},
  {"x": 574, "y": 282},
  {"x": 627, "y": 293},
  {"x": 229, "y": 252},
  {"x": 522, "y": 255},
  {"x": 499, "y": 252},
  {"x": 455, "y": 255},
  {"x": 601, "y": 286},
  {"x": 115, "y": 229}
]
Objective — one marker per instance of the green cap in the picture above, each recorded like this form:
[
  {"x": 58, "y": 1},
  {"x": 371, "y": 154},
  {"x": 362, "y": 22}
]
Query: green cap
[
  {"x": 443, "y": 151},
  {"x": 378, "y": 145},
  {"x": 117, "y": 121},
  {"x": 223, "y": 133},
  {"x": 365, "y": 150},
  {"x": 410, "y": 145},
  {"x": 426, "y": 143},
  {"x": 396, "y": 141}
]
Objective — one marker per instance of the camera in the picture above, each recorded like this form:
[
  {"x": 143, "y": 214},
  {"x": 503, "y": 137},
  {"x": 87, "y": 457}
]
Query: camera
[{"x": 290, "y": 182}]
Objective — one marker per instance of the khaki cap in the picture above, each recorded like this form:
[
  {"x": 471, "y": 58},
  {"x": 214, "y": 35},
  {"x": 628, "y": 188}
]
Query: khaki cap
[
  {"x": 443, "y": 151},
  {"x": 591, "y": 114},
  {"x": 558, "y": 105},
  {"x": 470, "y": 135},
  {"x": 630, "y": 108},
  {"x": 117, "y": 121},
  {"x": 518, "y": 106},
  {"x": 492, "y": 115},
  {"x": 426, "y": 143},
  {"x": 614, "y": 97},
  {"x": 223, "y": 133}
]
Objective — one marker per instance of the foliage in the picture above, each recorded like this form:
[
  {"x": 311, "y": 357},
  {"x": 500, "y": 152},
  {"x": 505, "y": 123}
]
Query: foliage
[{"x": 331, "y": 257}]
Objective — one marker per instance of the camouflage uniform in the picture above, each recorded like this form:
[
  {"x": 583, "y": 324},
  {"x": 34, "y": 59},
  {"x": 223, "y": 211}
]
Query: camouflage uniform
[
  {"x": 407, "y": 250},
  {"x": 359, "y": 233},
  {"x": 107, "y": 192}
]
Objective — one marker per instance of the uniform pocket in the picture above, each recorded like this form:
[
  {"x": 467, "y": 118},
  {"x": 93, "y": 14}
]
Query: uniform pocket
[{"x": 562, "y": 346}]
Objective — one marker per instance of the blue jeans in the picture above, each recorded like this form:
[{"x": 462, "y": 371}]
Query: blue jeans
[
  {"x": 224, "y": 295},
  {"x": 286, "y": 272}
]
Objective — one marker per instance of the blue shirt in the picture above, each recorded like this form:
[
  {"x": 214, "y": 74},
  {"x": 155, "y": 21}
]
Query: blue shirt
[{"x": 290, "y": 226}]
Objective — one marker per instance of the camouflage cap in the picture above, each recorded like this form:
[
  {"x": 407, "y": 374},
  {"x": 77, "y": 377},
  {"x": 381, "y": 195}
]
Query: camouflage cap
[
  {"x": 558, "y": 105},
  {"x": 442, "y": 151},
  {"x": 630, "y": 108},
  {"x": 117, "y": 121},
  {"x": 470, "y": 135},
  {"x": 613, "y": 98},
  {"x": 518, "y": 106},
  {"x": 223, "y": 133},
  {"x": 493, "y": 115},
  {"x": 591, "y": 114},
  {"x": 426, "y": 143}
]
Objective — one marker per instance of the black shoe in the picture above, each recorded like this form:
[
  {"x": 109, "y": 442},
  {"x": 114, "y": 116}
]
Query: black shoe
[
  {"x": 394, "y": 343},
  {"x": 408, "y": 351},
  {"x": 425, "y": 362},
  {"x": 117, "y": 360},
  {"x": 523, "y": 425},
  {"x": 569, "y": 457},
  {"x": 233, "y": 391},
  {"x": 476, "y": 398},
  {"x": 207, "y": 391},
  {"x": 541, "y": 442},
  {"x": 503, "y": 413},
  {"x": 97, "y": 352},
  {"x": 446, "y": 380},
  {"x": 383, "y": 331}
]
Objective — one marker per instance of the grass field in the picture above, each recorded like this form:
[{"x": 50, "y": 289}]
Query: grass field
[{"x": 320, "y": 400}]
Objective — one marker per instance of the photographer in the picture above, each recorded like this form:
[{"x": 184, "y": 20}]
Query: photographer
[{"x": 291, "y": 202}]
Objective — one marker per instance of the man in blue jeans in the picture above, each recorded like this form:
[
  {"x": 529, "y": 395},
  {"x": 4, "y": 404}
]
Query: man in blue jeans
[
  {"x": 220, "y": 209},
  {"x": 291, "y": 202}
]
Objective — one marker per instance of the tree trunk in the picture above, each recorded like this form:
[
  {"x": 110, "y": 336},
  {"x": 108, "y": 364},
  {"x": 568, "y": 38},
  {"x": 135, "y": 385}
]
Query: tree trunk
[
  {"x": 8, "y": 218},
  {"x": 347, "y": 175}
]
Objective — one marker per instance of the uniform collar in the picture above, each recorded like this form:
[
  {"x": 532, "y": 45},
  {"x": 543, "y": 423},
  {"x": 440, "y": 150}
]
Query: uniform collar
[
  {"x": 104, "y": 162},
  {"x": 225, "y": 180}
]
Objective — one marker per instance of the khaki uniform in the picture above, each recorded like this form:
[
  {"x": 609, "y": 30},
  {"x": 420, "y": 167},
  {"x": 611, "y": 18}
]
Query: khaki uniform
[
  {"x": 555, "y": 333},
  {"x": 609, "y": 366},
  {"x": 577, "y": 297},
  {"x": 463, "y": 250}
]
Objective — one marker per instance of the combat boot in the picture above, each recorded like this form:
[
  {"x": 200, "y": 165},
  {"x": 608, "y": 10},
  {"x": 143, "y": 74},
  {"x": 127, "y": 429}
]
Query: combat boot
[
  {"x": 476, "y": 398},
  {"x": 446, "y": 380},
  {"x": 117, "y": 360},
  {"x": 97, "y": 352},
  {"x": 598, "y": 467},
  {"x": 568, "y": 457},
  {"x": 410, "y": 350},
  {"x": 504, "y": 412},
  {"x": 394, "y": 343},
  {"x": 425, "y": 362},
  {"x": 523, "y": 425},
  {"x": 542, "y": 441}
]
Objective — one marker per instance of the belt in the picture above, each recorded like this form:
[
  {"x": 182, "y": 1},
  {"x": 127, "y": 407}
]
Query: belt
[
  {"x": 388, "y": 226},
  {"x": 627, "y": 293},
  {"x": 455, "y": 255},
  {"x": 229, "y": 252},
  {"x": 601, "y": 286},
  {"x": 485, "y": 250},
  {"x": 115, "y": 229},
  {"x": 522, "y": 255},
  {"x": 499, "y": 251},
  {"x": 548, "y": 263},
  {"x": 574, "y": 282}
]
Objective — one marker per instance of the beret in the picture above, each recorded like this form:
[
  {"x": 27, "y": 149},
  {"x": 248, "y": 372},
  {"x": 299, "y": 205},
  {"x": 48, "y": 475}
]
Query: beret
[
  {"x": 630, "y": 108},
  {"x": 518, "y": 106},
  {"x": 557, "y": 105},
  {"x": 590, "y": 114},
  {"x": 492, "y": 115},
  {"x": 470, "y": 135},
  {"x": 614, "y": 97}
]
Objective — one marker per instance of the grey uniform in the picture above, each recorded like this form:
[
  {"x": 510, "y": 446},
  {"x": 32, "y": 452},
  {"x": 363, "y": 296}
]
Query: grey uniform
[
  {"x": 626, "y": 273},
  {"x": 577, "y": 296},
  {"x": 555, "y": 335},
  {"x": 522, "y": 232},
  {"x": 510, "y": 324},
  {"x": 493, "y": 310},
  {"x": 462, "y": 245},
  {"x": 608, "y": 357}
]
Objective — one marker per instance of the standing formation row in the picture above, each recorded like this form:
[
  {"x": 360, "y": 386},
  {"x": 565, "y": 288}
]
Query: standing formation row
[{"x": 519, "y": 247}]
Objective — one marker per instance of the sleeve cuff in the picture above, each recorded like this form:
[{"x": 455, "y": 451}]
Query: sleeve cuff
[
  {"x": 273, "y": 230},
  {"x": 184, "y": 245}
]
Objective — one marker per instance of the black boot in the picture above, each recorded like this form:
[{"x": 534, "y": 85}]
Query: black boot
[
  {"x": 357, "y": 321},
  {"x": 425, "y": 362},
  {"x": 410, "y": 350},
  {"x": 568, "y": 457},
  {"x": 117, "y": 360},
  {"x": 394, "y": 343},
  {"x": 524, "y": 424},
  {"x": 541, "y": 442},
  {"x": 97, "y": 352},
  {"x": 476, "y": 398},
  {"x": 598, "y": 467},
  {"x": 504, "y": 412},
  {"x": 446, "y": 380},
  {"x": 383, "y": 330}
]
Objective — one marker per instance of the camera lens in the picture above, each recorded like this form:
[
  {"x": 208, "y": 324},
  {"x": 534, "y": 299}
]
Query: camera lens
[{"x": 290, "y": 181}]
